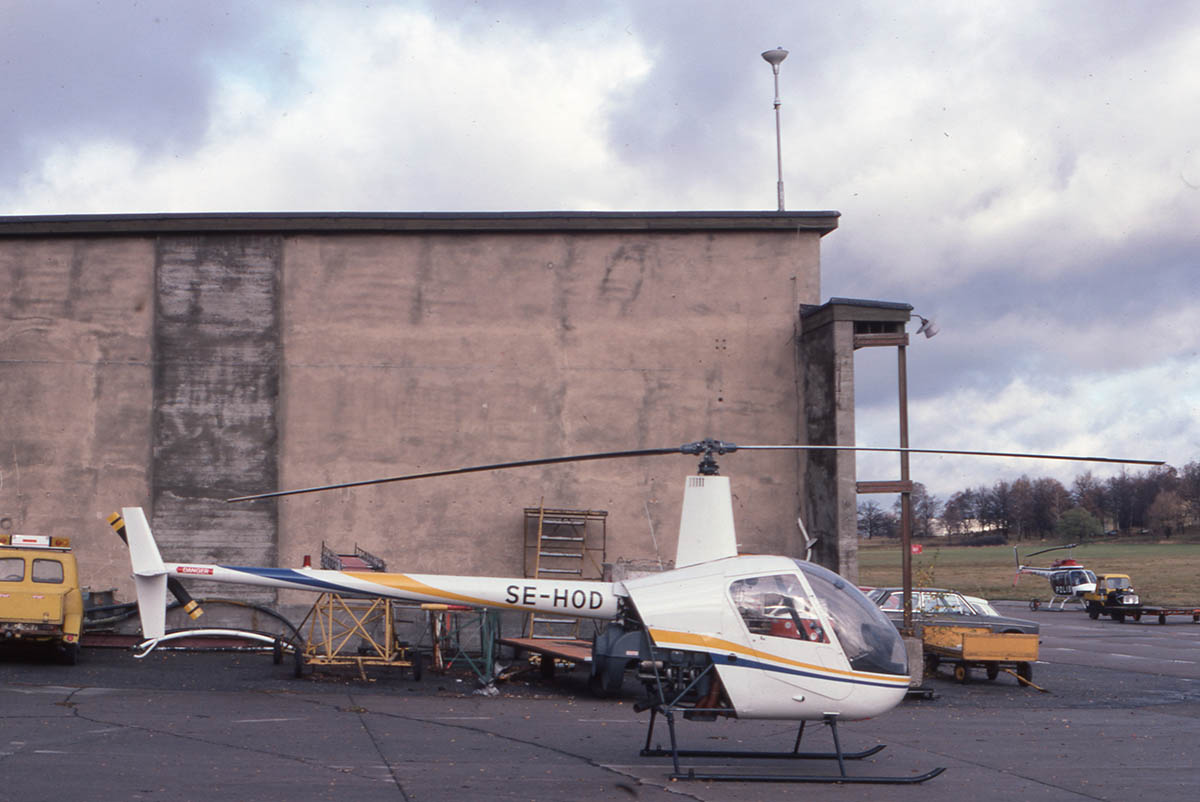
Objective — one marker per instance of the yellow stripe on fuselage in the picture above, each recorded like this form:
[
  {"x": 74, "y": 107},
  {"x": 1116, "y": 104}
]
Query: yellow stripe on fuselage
[
  {"x": 722, "y": 646},
  {"x": 405, "y": 583}
]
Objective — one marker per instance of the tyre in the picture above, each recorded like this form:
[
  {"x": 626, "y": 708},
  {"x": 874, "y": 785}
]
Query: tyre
[
  {"x": 417, "y": 665},
  {"x": 993, "y": 671},
  {"x": 1034, "y": 604},
  {"x": 298, "y": 661},
  {"x": 1025, "y": 672},
  {"x": 961, "y": 673}
]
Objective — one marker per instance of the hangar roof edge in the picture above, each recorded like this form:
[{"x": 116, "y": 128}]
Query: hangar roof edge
[{"x": 822, "y": 222}]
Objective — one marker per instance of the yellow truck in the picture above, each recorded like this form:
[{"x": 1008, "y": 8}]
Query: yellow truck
[{"x": 40, "y": 599}]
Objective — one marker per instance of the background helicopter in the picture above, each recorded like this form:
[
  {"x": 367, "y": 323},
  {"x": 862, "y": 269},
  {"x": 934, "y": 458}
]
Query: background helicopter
[
  {"x": 719, "y": 635},
  {"x": 1069, "y": 580}
]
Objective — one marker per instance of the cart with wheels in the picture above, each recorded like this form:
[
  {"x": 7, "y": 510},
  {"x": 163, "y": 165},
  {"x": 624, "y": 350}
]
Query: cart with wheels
[{"x": 971, "y": 648}]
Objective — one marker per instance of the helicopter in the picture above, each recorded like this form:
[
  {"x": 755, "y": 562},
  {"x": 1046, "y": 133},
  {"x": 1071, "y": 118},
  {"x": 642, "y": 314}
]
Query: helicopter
[
  {"x": 1069, "y": 580},
  {"x": 720, "y": 635}
]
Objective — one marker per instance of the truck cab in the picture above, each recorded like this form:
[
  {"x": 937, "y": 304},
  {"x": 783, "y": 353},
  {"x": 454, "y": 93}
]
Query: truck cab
[
  {"x": 1112, "y": 591},
  {"x": 40, "y": 599}
]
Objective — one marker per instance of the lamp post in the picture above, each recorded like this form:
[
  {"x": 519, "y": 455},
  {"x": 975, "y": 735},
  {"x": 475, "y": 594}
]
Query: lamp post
[
  {"x": 775, "y": 58},
  {"x": 928, "y": 328}
]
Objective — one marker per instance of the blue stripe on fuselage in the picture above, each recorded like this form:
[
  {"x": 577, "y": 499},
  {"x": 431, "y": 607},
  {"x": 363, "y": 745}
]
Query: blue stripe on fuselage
[
  {"x": 742, "y": 662},
  {"x": 293, "y": 576}
]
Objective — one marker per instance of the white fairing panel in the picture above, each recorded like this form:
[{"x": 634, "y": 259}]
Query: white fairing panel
[
  {"x": 706, "y": 530},
  {"x": 149, "y": 573}
]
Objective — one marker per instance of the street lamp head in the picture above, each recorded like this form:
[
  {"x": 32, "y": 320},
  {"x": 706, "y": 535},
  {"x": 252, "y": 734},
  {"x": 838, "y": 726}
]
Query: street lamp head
[
  {"x": 774, "y": 58},
  {"x": 928, "y": 327}
]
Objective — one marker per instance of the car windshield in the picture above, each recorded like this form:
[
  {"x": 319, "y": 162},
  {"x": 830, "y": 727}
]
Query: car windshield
[
  {"x": 941, "y": 601},
  {"x": 870, "y": 641}
]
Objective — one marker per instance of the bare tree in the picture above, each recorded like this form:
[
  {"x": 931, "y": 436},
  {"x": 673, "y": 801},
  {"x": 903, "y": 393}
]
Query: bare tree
[
  {"x": 874, "y": 521},
  {"x": 1168, "y": 513}
]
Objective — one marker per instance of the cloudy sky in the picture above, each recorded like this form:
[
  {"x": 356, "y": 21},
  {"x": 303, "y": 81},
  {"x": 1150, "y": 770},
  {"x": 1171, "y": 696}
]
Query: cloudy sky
[{"x": 1026, "y": 173}]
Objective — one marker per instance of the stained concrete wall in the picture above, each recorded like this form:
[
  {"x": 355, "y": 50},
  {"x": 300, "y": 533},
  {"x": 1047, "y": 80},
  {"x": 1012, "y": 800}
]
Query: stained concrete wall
[
  {"x": 827, "y": 356},
  {"x": 216, "y": 387},
  {"x": 141, "y": 353},
  {"x": 76, "y": 389}
]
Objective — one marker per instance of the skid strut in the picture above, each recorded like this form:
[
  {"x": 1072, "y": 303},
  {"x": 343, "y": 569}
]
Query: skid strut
[{"x": 675, "y": 753}]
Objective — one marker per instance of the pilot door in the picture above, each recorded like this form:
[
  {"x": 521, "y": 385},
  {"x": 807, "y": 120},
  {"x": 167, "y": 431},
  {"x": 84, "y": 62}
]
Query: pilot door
[{"x": 791, "y": 650}]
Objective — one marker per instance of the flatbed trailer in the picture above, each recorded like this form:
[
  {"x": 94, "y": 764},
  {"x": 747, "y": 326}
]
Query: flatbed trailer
[
  {"x": 1119, "y": 612},
  {"x": 978, "y": 647}
]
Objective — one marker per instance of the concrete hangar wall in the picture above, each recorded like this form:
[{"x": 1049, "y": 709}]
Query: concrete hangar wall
[{"x": 172, "y": 361}]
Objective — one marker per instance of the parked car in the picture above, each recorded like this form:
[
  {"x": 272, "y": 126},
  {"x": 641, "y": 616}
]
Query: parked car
[
  {"x": 982, "y": 606},
  {"x": 935, "y": 605}
]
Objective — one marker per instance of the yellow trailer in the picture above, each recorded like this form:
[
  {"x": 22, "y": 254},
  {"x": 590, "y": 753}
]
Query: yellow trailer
[{"x": 967, "y": 647}]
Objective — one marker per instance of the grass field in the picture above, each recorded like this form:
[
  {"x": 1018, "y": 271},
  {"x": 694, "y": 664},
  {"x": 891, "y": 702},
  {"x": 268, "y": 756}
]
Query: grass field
[{"x": 1162, "y": 573}]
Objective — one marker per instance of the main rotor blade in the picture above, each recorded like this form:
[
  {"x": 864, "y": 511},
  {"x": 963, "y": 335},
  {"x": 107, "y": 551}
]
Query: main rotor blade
[
  {"x": 700, "y": 448},
  {"x": 954, "y": 452},
  {"x": 1052, "y": 548},
  {"x": 525, "y": 463}
]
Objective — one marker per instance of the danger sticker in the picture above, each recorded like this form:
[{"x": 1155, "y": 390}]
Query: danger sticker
[{"x": 193, "y": 569}]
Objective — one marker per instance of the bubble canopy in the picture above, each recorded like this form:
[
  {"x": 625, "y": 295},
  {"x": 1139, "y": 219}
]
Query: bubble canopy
[{"x": 869, "y": 639}]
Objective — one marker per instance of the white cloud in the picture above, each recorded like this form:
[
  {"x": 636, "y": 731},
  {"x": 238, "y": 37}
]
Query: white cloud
[
  {"x": 394, "y": 112},
  {"x": 1110, "y": 414},
  {"x": 1034, "y": 186}
]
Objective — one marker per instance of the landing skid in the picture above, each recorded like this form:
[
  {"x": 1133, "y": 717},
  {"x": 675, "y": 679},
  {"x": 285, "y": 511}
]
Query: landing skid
[
  {"x": 675, "y": 753},
  {"x": 1061, "y": 601}
]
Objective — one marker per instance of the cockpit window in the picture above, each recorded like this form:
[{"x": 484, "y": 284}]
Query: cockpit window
[
  {"x": 870, "y": 641},
  {"x": 777, "y": 606}
]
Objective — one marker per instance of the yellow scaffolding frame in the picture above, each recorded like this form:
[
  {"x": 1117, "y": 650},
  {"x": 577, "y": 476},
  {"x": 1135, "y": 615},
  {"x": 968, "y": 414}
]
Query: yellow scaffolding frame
[{"x": 335, "y": 621}]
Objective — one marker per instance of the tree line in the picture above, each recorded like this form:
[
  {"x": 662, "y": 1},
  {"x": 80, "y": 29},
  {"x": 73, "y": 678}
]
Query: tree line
[{"x": 1163, "y": 500}]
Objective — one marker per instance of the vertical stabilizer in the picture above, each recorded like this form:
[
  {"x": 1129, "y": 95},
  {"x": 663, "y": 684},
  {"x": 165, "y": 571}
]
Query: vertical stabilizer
[
  {"x": 149, "y": 573},
  {"x": 706, "y": 526}
]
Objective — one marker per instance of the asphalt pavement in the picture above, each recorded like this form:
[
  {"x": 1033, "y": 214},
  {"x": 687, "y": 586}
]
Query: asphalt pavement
[{"x": 1120, "y": 720}]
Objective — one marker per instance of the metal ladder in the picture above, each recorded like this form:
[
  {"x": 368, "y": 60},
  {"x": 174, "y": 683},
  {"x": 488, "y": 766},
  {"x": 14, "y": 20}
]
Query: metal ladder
[{"x": 562, "y": 544}]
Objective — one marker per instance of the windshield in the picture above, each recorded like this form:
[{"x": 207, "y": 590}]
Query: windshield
[{"x": 870, "y": 641}]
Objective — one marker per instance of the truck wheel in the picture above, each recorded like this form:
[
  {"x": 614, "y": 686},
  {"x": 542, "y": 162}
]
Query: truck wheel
[
  {"x": 993, "y": 671},
  {"x": 961, "y": 673},
  {"x": 1162, "y": 619},
  {"x": 1093, "y": 610},
  {"x": 70, "y": 653}
]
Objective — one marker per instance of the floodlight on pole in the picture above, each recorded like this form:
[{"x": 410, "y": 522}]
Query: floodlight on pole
[
  {"x": 927, "y": 327},
  {"x": 775, "y": 58}
]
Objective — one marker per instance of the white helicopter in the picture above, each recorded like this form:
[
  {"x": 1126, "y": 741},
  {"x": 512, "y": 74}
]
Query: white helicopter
[
  {"x": 718, "y": 635},
  {"x": 1069, "y": 580}
]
